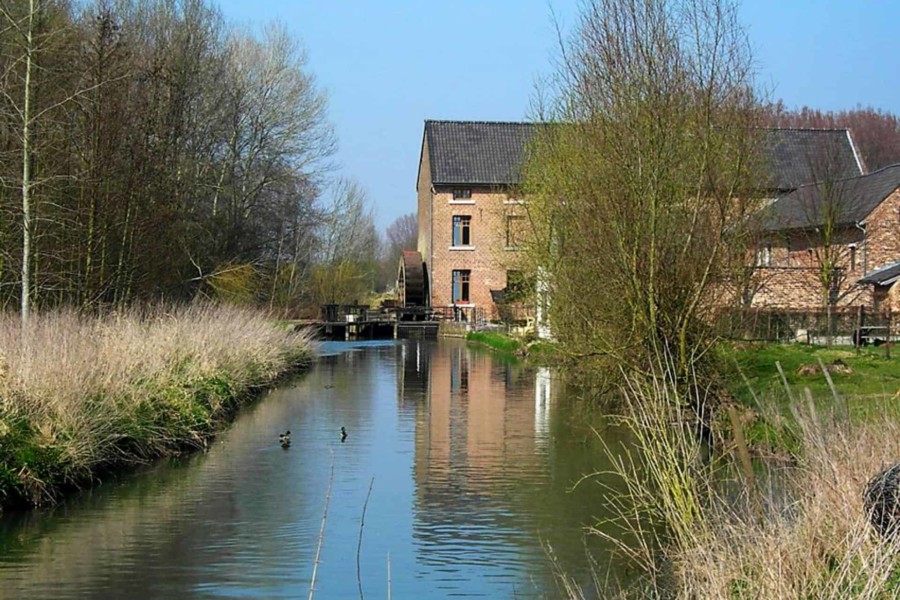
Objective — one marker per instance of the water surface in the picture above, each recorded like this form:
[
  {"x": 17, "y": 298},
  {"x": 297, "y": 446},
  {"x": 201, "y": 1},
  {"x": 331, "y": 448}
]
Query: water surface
[{"x": 472, "y": 462}]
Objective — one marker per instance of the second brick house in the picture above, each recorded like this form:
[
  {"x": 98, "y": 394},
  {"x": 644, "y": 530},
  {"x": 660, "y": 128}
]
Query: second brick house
[{"x": 849, "y": 226}]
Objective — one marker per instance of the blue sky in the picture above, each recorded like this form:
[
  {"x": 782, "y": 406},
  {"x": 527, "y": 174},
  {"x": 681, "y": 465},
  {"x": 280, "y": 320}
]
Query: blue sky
[{"x": 388, "y": 65}]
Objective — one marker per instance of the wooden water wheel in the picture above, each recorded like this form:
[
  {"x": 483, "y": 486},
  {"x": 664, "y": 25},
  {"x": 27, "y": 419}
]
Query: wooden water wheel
[{"x": 412, "y": 280}]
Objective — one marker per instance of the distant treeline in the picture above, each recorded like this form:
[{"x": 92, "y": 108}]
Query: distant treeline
[{"x": 151, "y": 150}]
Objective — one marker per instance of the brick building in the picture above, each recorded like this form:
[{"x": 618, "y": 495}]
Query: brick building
[
  {"x": 470, "y": 219},
  {"x": 852, "y": 224}
]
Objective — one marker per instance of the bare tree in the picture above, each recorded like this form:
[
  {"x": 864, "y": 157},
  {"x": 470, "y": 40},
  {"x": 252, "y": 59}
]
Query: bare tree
[
  {"x": 348, "y": 248},
  {"x": 400, "y": 235},
  {"x": 639, "y": 187}
]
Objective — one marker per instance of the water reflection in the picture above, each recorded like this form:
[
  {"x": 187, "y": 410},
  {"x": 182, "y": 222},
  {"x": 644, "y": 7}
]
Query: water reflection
[{"x": 473, "y": 460}]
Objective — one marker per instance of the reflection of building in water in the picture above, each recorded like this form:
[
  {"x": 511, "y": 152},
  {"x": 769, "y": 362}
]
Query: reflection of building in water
[
  {"x": 541, "y": 406},
  {"x": 477, "y": 423},
  {"x": 414, "y": 360}
]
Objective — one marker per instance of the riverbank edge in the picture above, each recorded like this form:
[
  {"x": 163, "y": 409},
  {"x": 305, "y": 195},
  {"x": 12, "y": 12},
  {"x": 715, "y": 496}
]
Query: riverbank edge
[
  {"x": 536, "y": 352},
  {"x": 191, "y": 413}
]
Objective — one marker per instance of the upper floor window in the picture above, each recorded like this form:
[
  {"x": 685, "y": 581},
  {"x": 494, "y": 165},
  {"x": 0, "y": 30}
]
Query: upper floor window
[
  {"x": 462, "y": 230},
  {"x": 462, "y": 194},
  {"x": 514, "y": 226}
]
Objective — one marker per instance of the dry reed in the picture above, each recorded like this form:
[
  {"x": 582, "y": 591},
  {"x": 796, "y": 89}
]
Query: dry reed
[
  {"x": 698, "y": 528},
  {"x": 79, "y": 394}
]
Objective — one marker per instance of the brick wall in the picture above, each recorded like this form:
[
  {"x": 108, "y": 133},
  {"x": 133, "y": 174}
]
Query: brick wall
[
  {"x": 488, "y": 257},
  {"x": 883, "y": 233},
  {"x": 799, "y": 288},
  {"x": 423, "y": 204}
]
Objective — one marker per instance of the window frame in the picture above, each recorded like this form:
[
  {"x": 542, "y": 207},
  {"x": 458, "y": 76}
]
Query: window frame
[
  {"x": 511, "y": 243},
  {"x": 461, "y": 286},
  {"x": 462, "y": 223}
]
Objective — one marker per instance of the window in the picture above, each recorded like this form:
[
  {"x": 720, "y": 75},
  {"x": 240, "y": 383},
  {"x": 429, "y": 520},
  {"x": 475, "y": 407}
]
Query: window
[
  {"x": 514, "y": 227},
  {"x": 459, "y": 371},
  {"x": 852, "y": 257},
  {"x": 462, "y": 230},
  {"x": 461, "y": 285},
  {"x": 462, "y": 194},
  {"x": 764, "y": 256}
]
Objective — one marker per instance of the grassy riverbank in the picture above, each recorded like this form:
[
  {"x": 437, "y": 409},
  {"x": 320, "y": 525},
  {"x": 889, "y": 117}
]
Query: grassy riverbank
[
  {"x": 866, "y": 386},
  {"x": 500, "y": 342},
  {"x": 536, "y": 352},
  {"x": 709, "y": 521},
  {"x": 867, "y": 374},
  {"x": 82, "y": 395}
]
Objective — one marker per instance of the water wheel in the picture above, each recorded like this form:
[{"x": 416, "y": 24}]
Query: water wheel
[{"x": 412, "y": 280}]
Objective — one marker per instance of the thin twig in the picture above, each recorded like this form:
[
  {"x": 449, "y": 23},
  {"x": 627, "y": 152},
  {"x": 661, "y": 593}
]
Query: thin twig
[
  {"x": 312, "y": 581},
  {"x": 838, "y": 400},
  {"x": 362, "y": 523},
  {"x": 784, "y": 381}
]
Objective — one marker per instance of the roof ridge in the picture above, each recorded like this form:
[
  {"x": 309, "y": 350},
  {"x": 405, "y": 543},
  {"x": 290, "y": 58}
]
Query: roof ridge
[
  {"x": 884, "y": 168},
  {"x": 504, "y": 122},
  {"x": 468, "y": 122},
  {"x": 841, "y": 179},
  {"x": 806, "y": 128}
]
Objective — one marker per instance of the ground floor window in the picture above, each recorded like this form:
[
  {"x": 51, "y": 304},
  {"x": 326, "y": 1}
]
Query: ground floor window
[{"x": 461, "y": 285}]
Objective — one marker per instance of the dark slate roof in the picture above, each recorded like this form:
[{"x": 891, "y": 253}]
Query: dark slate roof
[
  {"x": 883, "y": 276},
  {"x": 492, "y": 153},
  {"x": 799, "y": 156},
  {"x": 842, "y": 202},
  {"x": 469, "y": 152}
]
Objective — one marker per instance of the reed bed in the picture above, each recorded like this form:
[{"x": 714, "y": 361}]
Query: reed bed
[
  {"x": 82, "y": 394},
  {"x": 702, "y": 523}
]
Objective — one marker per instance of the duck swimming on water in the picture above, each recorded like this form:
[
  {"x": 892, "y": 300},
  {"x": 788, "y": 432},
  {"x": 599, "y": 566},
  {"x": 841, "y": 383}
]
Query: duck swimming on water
[
  {"x": 343, "y": 434},
  {"x": 285, "y": 439}
]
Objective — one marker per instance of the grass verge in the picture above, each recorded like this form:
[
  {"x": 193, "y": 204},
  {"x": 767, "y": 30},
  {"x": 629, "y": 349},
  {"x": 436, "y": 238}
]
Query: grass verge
[
  {"x": 866, "y": 383},
  {"x": 82, "y": 395},
  {"x": 498, "y": 341}
]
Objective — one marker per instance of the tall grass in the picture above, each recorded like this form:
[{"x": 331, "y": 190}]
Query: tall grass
[
  {"x": 79, "y": 394},
  {"x": 701, "y": 526}
]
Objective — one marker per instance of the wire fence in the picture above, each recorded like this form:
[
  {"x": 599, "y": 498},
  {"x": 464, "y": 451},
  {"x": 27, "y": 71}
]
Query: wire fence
[{"x": 846, "y": 325}]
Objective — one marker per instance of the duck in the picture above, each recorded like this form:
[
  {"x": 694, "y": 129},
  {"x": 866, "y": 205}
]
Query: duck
[
  {"x": 343, "y": 434},
  {"x": 285, "y": 439}
]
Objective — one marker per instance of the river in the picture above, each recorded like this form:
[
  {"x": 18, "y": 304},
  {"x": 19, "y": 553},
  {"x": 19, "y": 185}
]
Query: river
[{"x": 472, "y": 462}]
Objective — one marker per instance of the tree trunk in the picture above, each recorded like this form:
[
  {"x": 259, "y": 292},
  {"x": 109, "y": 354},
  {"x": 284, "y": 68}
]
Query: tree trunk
[{"x": 26, "y": 168}]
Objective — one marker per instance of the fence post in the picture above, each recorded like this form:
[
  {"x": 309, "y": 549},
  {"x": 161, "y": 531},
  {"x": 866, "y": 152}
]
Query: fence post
[
  {"x": 887, "y": 342},
  {"x": 857, "y": 336}
]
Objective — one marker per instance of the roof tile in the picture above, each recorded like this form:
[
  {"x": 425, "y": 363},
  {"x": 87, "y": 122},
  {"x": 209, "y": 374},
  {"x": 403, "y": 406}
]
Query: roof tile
[{"x": 492, "y": 153}]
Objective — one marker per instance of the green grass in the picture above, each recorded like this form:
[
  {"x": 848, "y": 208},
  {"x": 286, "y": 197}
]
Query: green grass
[
  {"x": 873, "y": 376},
  {"x": 498, "y": 341},
  {"x": 870, "y": 390}
]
